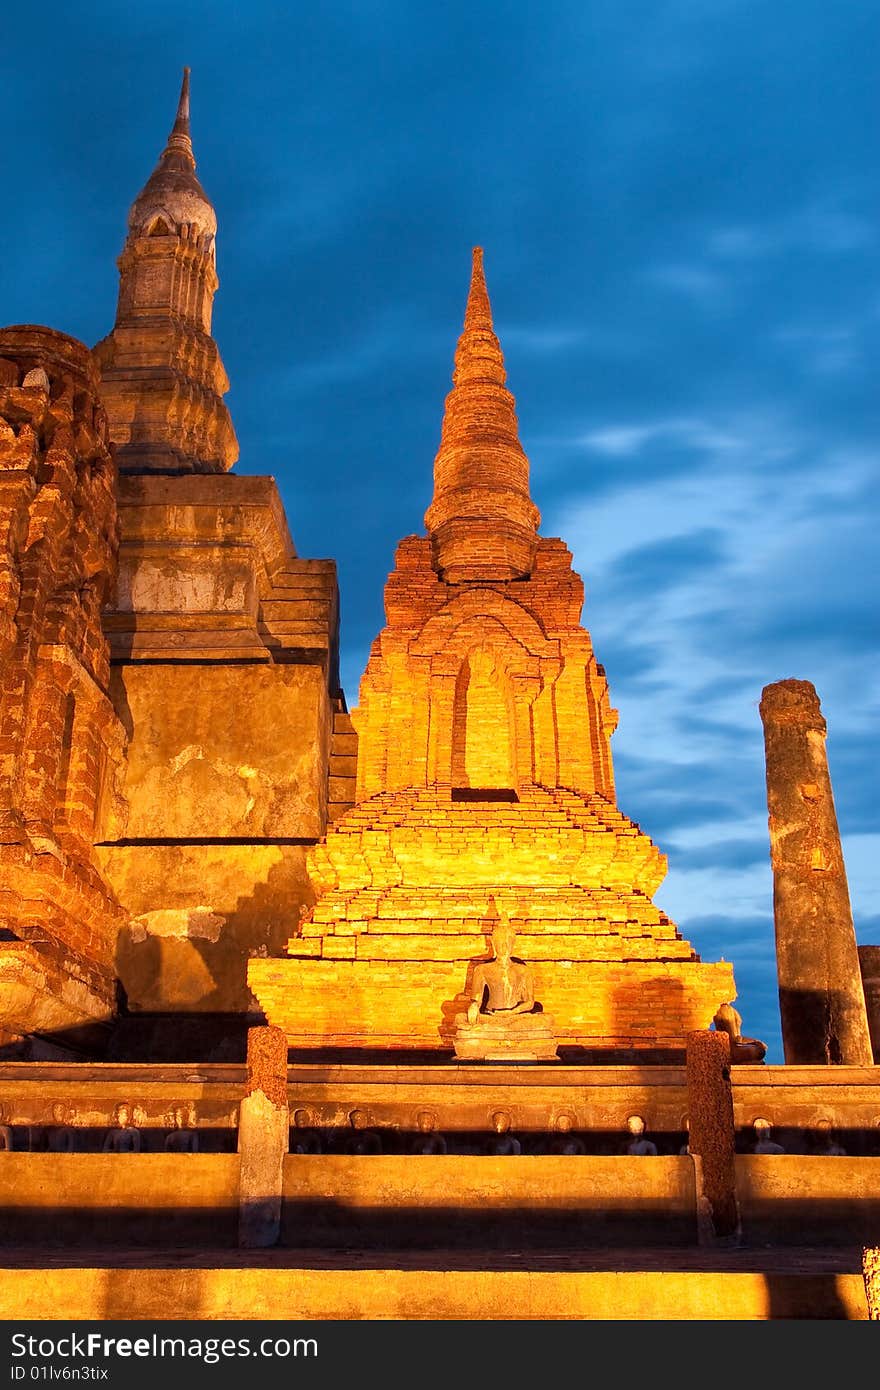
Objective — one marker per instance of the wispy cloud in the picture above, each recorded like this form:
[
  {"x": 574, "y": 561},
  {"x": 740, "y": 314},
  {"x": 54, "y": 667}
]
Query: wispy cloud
[
  {"x": 822, "y": 228},
  {"x": 625, "y": 439},
  {"x": 543, "y": 340},
  {"x": 695, "y": 281},
  {"x": 821, "y": 348}
]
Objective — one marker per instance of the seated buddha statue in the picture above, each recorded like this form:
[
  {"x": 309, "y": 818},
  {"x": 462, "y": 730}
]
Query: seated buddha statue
[
  {"x": 503, "y": 1018},
  {"x": 728, "y": 1020}
]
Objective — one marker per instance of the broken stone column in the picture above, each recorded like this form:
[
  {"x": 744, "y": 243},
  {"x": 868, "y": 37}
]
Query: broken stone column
[
  {"x": 263, "y": 1131},
  {"x": 821, "y": 999},
  {"x": 711, "y": 1136}
]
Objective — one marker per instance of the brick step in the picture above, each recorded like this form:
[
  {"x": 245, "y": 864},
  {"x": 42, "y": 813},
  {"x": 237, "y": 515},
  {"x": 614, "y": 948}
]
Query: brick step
[
  {"x": 342, "y": 764},
  {"x": 305, "y": 634},
  {"x": 435, "y": 944},
  {"x": 415, "y": 906},
  {"x": 305, "y": 609}
]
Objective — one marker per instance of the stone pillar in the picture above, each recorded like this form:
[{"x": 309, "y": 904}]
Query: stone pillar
[
  {"x": 821, "y": 1000},
  {"x": 871, "y": 1273},
  {"x": 869, "y": 961},
  {"x": 711, "y": 1135},
  {"x": 263, "y": 1132}
]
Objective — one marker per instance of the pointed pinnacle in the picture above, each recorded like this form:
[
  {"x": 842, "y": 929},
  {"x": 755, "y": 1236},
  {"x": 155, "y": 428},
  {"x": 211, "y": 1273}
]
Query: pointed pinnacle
[
  {"x": 478, "y": 313},
  {"x": 478, "y": 353},
  {"x": 179, "y": 141},
  {"x": 181, "y": 123},
  {"x": 482, "y": 521}
]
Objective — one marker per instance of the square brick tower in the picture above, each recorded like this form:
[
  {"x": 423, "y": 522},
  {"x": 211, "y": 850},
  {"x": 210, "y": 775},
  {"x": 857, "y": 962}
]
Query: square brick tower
[{"x": 224, "y": 650}]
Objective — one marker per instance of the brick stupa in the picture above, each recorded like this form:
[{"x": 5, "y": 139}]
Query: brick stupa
[{"x": 485, "y": 786}]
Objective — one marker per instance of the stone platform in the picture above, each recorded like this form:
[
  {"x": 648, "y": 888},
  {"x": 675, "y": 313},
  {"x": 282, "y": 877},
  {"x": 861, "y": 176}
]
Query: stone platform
[
  {"x": 407, "y": 1235},
  {"x": 640, "y": 1285}
]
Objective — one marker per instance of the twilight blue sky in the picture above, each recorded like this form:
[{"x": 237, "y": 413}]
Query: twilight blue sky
[{"x": 679, "y": 205}]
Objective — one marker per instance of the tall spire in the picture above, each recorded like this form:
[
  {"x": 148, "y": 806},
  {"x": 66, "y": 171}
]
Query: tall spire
[
  {"x": 162, "y": 377},
  {"x": 482, "y": 520}
]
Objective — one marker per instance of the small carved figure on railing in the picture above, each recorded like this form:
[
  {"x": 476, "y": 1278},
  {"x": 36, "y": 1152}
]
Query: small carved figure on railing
[
  {"x": 304, "y": 1137},
  {"x": 5, "y": 1131},
  {"x": 183, "y": 1137},
  {"x": 61, "y": 1136},
  {"x": 827, "y": 1144},
  {"x": 428, "y": 1141},
  {"x": 364, "y": 1140},
  {"x": 638, "y": 1144},
  {"x": 728, "y": 1020},
  {"x": 763, "y": 1143},
  {"x": 505, "y": 1143},
  {"x": 566, "y": 1142},
  {"x": 123, "y": 1138}
]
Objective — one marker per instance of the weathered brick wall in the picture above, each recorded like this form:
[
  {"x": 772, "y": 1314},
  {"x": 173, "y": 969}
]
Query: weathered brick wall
[{"x": 61, "y": 744}]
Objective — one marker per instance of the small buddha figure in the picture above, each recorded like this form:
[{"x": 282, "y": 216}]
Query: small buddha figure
[
  {"x": 728, "y": 1020},
  {"x": 123, "y": 1138},
  {"x": 504, "y": 984},
  {"x": 506, "y": 1143},
  {"x": 639, "y": 1144},
  {"x": 503, "y": 1020},
  {"x": 428, "y": 1141},
  {"x": 763, "y": 1143},
  {"x": 364, "y": 1140},
  {"x": 5, "y": 1131},
  {"x": 304, "y": 1138},
  {"x": 61, "y": 1136},
  {"x": 827, "y": 1144},
  {"x": 566, "y": 1142},
  {"x": 183, "y": 1137},
  {"x": 686, "y": 1146}
]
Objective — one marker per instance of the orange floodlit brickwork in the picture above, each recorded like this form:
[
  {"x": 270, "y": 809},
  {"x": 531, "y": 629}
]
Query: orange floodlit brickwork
[
  {"x": 61, "y": 743},
  {"x": 485, "y": 785},
  {"x": 482, "y": 521}
]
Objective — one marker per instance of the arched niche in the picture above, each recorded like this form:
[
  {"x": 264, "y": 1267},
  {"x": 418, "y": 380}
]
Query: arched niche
[
  {"x": 483, "y": 724},
  {"x": 472, "y": 612},
  {"x": 161, "y": 225}
]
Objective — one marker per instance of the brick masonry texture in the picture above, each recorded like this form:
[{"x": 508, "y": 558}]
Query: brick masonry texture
[{"x": 61, "y": 744}]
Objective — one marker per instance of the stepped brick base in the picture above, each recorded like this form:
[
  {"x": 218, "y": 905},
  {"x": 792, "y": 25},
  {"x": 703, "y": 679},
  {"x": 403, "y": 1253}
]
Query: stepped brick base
[{"x": 410, "y": 884}]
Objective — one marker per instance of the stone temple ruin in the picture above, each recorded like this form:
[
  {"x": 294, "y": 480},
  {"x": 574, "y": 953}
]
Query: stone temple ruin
[{"x": 306, "y": 980}]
